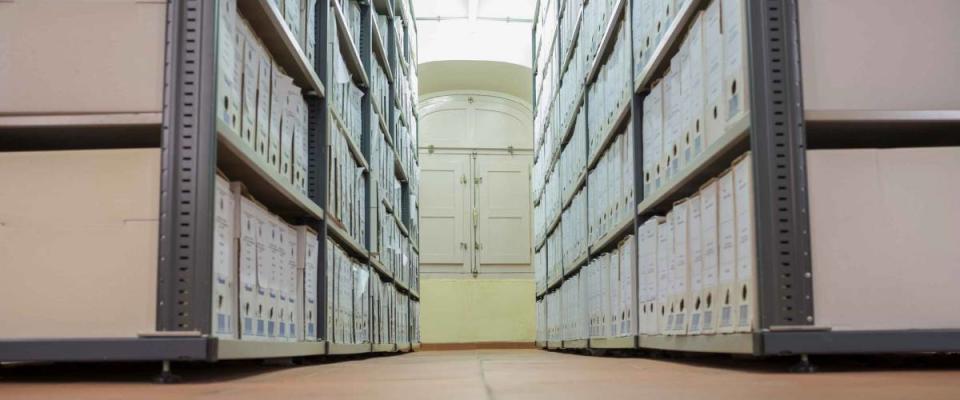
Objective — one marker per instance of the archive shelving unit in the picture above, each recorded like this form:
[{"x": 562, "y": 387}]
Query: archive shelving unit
[
  {"x": 778, "y": 131},
  {"x": 194, "y": 147}
]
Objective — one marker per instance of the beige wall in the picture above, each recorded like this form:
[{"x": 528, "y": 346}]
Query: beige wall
[{"x": 466, "y": 310}]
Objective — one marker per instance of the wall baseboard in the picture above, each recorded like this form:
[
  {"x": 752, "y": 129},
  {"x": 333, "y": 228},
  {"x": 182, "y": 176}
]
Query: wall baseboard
[{"x": 478, "y": 346}]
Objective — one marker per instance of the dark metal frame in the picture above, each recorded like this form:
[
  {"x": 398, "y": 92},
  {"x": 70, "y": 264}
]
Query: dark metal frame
[
  {"x": 778, "y": 144},
  {"x": 187, "y": 173}
]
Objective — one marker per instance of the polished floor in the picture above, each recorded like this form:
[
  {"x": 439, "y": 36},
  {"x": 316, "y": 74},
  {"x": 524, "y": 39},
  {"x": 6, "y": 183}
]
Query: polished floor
[{"x": 501, "y": 375}]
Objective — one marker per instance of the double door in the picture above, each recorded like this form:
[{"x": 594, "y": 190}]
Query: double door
[{"x": 475, "y": 213}]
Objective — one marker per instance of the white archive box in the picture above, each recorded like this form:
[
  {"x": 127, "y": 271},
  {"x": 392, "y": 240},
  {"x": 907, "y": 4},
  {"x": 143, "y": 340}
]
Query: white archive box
[
  {"x": 269, "y": 254},
  {"x": 279, "y": 84},
  {"x": 309, "y": 40},
  {"x": 672, "y": 120},
  {"x": 361, "y": 301},
  {"x": 652, "y": 139},
  {"x": 746, "y": 243},
  {"x": 330, "y": 272},
  {"x": 680, "y": 268},
  {"x": 69, "y": 250},
  {"x": 735, "y": 65},
  {"x": 293, "y": 312},
  {"x": 96, "y": 40},
  {"x": 647, "y": 275},
  {"x": 247, "y": 46},
  {"x": 289, "y": 126},
  {"x": 250, "y": 300},
  {"x": 613, "y": 272},
  {"x": 695, "y": 258},
  {"x": 716, "y": 106},
  {"x": 662, "y": 15},
  {"x": 229, "y": 98},
  {"x": 628, "y": 287},
  {"x": 664, "y": 259},
  {"x": 727, "y": 252},
  {"x": 264, "y": 77},
  {"x": 693, "y": 80},
  {"x": 300, "y": 145},
  {"x": 224, "y": 299},
  {"x": 708, "y": 295},
  {"x": 308, "y": 259},
  {"x": 293, "y": 16},
  {"x": 642, "y": 18},
  {"x": 884, "y": 226}
]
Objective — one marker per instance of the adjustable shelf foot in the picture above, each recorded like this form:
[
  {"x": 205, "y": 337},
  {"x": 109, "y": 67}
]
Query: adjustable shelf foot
[
  {"x": 166, "y": 376},
  {"x": 803, "y": 366}
]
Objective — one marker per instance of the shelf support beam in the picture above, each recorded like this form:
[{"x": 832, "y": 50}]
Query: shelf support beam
[
  {"x": 778, "y": 144},
  {"x": 189, "y": 145}
]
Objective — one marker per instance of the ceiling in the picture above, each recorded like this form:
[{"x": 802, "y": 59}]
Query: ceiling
[{"x": 461, "y": 75}]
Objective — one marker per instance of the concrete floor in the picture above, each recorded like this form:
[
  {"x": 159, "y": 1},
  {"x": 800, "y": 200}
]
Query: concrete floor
[{"x": 500, "y": 374}]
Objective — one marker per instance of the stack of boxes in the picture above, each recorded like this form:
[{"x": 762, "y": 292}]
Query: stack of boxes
[
  {"x": 611, "y": 187},
  {"x": 611, "y": 93},
  {"x": 573, "y": 236},
  {"x": 702, "y": 254},
  {"x": 257, "y": 101},
  {"x": 265, "y": 271},
  {"x": 702, "y": 94}
]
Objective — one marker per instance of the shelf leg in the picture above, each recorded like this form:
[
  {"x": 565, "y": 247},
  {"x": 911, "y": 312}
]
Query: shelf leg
[
  {"x": 803, "y": 366},
  {"x": 166, "y": 376}
]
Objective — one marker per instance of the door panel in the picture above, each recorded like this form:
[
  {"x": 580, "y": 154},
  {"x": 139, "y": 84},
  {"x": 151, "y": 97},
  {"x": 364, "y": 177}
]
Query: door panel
[
  {"x": 503, "y": 204},
  {"x": 443, "y": 210}
]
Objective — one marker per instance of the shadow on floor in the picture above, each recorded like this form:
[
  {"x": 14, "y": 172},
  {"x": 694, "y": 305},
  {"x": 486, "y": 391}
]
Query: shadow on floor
[{"x": 140, "y": 372}]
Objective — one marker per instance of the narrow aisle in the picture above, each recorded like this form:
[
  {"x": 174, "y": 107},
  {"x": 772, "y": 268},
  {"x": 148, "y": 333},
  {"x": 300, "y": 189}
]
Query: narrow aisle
[{"x": 502, "y": 375}]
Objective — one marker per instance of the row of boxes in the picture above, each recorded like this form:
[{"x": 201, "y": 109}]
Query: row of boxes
[
  {"x": 554, "y": 325},
  {"x": 650, "y": 21},
  {"x": 697, "y": 264},
  {"x": 394, "y": 249},
  {"x": 383, "y": 164},
  {"x": 345, "y": 97},
  {"x": 383, "y": 27},
  {"x": 540, "y": 269},
  {"x": 300, "y": 17},
  {"x": 545, "y": 31},
  {"x": 257, "y": 101},
  {"x": 597, "y": 302},
  {"x": 611, "y": 186},
  {"x": 552, "y": 200},
  {"x": 596, "y": 16},
  {"x": 573, "y": 313},
  {"x": 573, "y": 159},
  {"x": 610, "y": 93},
  {"x": 539, "y": 220},
  {"x": 347, "y": 186},
  {"x": 351, "y": 15},
  {"x": 383, "y": 300},
  {"x": 568, "y": 24},
  {"x": 265, "y": 271},
  {"x": 406, "y": 147},
  {"x": 571, "y": 87},
  {"x": 699, "y": 97},
  {"x": 379, "y": 91},
  {"x": 554, "y": 248},
  {"x": 572, "y": 232},
  {"x": 347, "y": 297}
]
